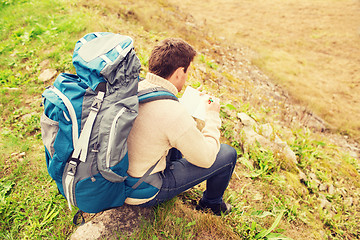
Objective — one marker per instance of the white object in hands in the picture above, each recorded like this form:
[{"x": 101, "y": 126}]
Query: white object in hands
[{"x": 194, "y": 102}]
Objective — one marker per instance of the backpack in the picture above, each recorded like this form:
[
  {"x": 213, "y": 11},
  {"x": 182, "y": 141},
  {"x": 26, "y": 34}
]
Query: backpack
[{"x": 87, "y": 119}]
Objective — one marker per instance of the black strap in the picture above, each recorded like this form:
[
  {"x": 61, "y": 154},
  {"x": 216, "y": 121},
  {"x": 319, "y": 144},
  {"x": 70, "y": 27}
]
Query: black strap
[
  {"x": 142, "y": 179},
  {"x": 76, "y": 218},
  {"x": 101, "y": 87}
]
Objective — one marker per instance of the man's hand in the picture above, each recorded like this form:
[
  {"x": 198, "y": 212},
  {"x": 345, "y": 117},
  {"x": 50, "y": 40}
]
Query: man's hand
[{"x": 212, "y": 103}]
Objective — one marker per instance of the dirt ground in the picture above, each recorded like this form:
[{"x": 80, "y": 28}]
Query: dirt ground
[{"x": 309, "y": 47}]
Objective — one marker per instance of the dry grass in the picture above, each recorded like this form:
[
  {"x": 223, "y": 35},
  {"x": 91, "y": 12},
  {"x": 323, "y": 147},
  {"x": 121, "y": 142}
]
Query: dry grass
[{"x": 309, "y": 47}]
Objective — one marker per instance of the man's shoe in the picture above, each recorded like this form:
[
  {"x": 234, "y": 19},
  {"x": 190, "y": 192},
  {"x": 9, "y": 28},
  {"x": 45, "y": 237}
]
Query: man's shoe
[{"x": 217, "y": 209}]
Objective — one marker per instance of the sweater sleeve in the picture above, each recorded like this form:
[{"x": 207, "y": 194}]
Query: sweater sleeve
[{"x": 198, "y": 147}]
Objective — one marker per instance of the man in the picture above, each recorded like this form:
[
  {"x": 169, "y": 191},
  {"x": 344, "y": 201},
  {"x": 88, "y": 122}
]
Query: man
[{"x": 165, "y": 131}]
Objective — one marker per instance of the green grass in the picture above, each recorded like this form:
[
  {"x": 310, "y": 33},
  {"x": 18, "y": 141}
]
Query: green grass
[
  {"x": 270, "y": 199},
  {"x": 31, "y": 31}
]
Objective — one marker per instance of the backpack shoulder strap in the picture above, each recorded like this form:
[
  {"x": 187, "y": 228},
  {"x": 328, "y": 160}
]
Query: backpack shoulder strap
[
  {"x": 157, "y": 93},
  {"x": 148, "y": 95}
]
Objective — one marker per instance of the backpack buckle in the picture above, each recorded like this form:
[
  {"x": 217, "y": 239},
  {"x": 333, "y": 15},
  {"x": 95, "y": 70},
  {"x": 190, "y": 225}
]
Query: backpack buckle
[
  {"x": 95, "y": 106},
  {"x": 72, "y": 168}
]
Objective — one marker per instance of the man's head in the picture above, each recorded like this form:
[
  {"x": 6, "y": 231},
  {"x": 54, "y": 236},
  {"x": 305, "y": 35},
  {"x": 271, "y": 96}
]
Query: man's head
[{"x": 171, "y": 56}]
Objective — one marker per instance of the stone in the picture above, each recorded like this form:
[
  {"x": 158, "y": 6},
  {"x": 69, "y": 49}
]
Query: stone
[
  {"x": 315, "y": 123},
  {"x": 267, "y": 139},
  {"x": 257, "y": 197},
  {"x": 47, "y": 75},
  {"x": 349, "y": 201},
  {"x": 323, "y": 187},
  {"x": 324, "y": 203},
  {"x": 44, "y": 63},
  {"x": 266, "y": 130},
  {"x": 113, "y": 224},
  {"x": 246, "y": 119},
  {"x": 331, "y": 189},
  {"x": 290, "y": 155},
  {"x": 302, "y": 176},
  {"x": 280, "y": 142},
  {"x": 27, "y": 116},
  {"x": 90, "y": 230},
  {"x": 285, "y": 150},
  {"x": 251, "y": 137}
]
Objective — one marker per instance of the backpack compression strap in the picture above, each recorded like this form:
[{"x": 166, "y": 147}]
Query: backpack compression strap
[
  {"x": 80, "y": 151},
  {"x": 156, "y": 93},
  {"x": 81, "y": 148}
]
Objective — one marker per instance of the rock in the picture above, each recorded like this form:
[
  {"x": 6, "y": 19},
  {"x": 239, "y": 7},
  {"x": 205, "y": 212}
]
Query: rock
[
  {"x": 265, "y": 136},
  {"x": 285, "y": 150},
  {"x": 202, "y": 69},
  {"x": 44, "y": 63},
  {"x": 323, "y": 187},
  {"x": 258, "y": 196},
  {"x": 266, "y": 130},
  {"x": 112, "y": 224},
  {"x": 302, "y": 176},
  {"x": 251, "y": 137},
  {"x": 246, "y": 119},
  {"x": 27, "y": 116},
  {"x": 47, "y": 75},
  {"x": 331, "y": 189},
  {"x": 18, "y": 156},
  {"x": 324, "y": 203},
  {"x": 289, "y": 154},
  {"x": 90, "y": 230},
  {"x": 280, "y": 142},
  {"x": 11, "y": 88},
  {"x": 315, "y": 123},
  {"x": 349, "y": 201},
  {"x": 314, "y": 179}
]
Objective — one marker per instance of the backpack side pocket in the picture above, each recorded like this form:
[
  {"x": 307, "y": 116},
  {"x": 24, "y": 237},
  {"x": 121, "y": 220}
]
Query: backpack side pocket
[{"x": 49, "y": 130}]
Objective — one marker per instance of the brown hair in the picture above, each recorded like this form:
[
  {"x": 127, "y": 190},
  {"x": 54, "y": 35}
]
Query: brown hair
[{"x": 169, "y": 55}]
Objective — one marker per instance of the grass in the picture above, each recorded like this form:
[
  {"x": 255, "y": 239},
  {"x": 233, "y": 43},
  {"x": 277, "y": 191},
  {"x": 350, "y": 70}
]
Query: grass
[
  {"x": 32, "y": 31},
  {"x": 270, "y": 200}
]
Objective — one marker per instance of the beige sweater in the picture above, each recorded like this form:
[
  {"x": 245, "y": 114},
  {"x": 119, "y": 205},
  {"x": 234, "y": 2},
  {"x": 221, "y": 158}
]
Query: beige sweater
[{"x": 164, "y": 124}]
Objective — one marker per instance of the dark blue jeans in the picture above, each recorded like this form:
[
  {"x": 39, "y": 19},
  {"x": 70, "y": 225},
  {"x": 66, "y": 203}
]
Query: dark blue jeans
[{"x": 180, "y": 175}]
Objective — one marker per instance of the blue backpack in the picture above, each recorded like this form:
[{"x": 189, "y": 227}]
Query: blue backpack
[{"x": 87, "y": 119}]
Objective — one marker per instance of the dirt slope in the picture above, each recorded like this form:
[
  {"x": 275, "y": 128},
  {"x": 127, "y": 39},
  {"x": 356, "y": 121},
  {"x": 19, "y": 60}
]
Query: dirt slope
[{"x": 311, "y": 48}]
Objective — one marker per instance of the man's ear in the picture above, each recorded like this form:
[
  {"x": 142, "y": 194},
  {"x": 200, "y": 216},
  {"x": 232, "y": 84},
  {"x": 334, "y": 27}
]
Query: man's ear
[
  {"x": 179, "y": 71},
  {"x": 177, "y": 78},
  {"x": 176, "y": 74}
]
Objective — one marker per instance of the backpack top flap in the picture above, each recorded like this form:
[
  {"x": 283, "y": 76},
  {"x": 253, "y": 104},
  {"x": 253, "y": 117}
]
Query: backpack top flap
[{"x": 106, "y": 57}]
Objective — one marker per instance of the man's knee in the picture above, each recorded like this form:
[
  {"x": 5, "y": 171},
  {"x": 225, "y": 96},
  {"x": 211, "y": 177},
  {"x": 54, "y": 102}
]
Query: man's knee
[{"x": 228, "y": 152}]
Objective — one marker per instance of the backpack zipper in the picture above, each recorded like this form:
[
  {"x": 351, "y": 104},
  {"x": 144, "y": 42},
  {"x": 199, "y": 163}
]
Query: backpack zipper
[
  {"x": 70, "y": 108},
  {"x": 69, "y": 179},
  {"x": 111, "y": 135}
]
